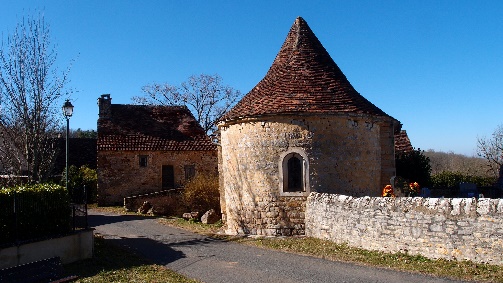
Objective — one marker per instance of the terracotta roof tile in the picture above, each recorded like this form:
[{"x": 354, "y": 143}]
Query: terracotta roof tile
[
  {"x": 402, "y": 142},
  {"x": 302, "y": 78},
  {"x": 149, "y": 128}
]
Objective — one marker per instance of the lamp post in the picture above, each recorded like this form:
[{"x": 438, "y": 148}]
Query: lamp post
[{"x": 67, "y": 112}]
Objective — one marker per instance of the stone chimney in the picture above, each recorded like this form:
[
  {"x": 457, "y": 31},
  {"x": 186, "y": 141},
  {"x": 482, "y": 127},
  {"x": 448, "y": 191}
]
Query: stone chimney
[{"x": 104, "y": 105}]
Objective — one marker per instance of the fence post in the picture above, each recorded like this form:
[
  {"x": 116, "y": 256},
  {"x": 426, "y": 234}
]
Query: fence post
[
  {"x": 85, "y": 207},
  {"x": 73, "y": 215},
  {"x": 15, "y": 219}
]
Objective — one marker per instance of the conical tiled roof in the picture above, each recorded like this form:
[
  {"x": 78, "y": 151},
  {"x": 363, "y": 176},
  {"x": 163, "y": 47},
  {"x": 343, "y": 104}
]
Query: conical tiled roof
[{"x": 302, "y": 79}]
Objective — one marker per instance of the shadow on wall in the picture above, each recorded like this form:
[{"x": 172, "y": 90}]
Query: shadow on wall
[
  {"x": 236, "y": 209},
  {"x": 251, "y": 211}
]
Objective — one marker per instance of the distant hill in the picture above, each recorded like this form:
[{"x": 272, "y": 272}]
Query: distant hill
[{"x": 449, "y": 161}]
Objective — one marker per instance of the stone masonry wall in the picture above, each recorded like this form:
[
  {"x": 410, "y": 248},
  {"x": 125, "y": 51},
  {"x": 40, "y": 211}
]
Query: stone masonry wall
[
  {"x": 344, "y": 156},
  {"x": 167, "y": 202},
  {"x": 459, "y": 228},
  {"x": 120, "y": 176}
]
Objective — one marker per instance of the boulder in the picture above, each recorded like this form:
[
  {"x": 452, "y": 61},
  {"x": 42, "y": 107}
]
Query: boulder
[
  {"x": 190, "y": 215},
  {"x": 145, "y": 208},
  {"x": 210, "y": 217}
]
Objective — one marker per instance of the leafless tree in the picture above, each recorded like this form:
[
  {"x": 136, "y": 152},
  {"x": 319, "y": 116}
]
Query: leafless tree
[
  {"x": 459, "y": 163},
  {"x": 30, "y": 89},
  {"x": 205, "y": 95},
  {"x": 492, "y": 150}
]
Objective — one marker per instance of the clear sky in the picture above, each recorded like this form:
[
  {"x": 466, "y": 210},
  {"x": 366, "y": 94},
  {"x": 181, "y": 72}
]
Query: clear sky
[{"x": 436, "y": 66}]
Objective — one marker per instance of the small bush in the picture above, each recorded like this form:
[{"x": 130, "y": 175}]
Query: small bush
[
  {"x": 36, "y": 211},
  {"x": 202, "y": 193},
  {"x": 80, "y": 178}
]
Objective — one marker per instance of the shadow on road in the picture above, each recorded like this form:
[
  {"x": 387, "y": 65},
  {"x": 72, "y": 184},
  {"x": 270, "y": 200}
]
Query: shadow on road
[
  {"x": 155, "y": 251},
  {"x": 114, "y": 257},
  {"x": 101, "y": 219}
]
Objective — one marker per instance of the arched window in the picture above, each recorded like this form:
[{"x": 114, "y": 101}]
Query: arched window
[{"x": 294, "y": 170}]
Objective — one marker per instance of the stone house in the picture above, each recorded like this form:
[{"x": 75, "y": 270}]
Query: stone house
[
  {"x": 303, "y": 128},
  {"x": 144, "y": 149}
]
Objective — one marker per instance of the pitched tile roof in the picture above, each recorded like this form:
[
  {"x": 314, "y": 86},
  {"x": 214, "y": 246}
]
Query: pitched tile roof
[
  {"x": 402, "y": 142},
  {"x": 302, "y": 78},
  {"x": 141, "y": 127}
]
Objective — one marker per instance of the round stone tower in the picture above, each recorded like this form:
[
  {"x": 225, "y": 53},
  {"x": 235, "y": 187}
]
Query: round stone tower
[{"x": 303, "y": 128}]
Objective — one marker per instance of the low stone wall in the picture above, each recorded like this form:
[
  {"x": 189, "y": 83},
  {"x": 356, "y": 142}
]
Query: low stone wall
[
  {"x": 167, "y": 202},
  {"x": 450, "y": 228}
]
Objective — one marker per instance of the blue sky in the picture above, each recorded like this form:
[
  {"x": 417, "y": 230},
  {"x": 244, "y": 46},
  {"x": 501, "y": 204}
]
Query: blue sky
[{"x": 437, "y": 66}]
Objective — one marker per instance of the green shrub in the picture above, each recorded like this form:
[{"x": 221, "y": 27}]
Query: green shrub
[
  {"x": 80, "y": 177},
  {"x": 202, "y": 193},
  {"x": 35, "y": 211},
  {"x": 448, "y": 179}
]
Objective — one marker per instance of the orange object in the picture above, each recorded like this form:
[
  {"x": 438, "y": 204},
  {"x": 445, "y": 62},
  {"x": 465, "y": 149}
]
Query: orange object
[{"x": 388, "y": 191}]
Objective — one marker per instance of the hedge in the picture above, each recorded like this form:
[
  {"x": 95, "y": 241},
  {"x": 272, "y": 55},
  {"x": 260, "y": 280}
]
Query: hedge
[
  {"x": 32, "y": 212},
  {"x": 448, "y": 179}
]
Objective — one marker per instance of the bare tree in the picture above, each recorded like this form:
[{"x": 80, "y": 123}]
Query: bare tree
[
  {"x": 30, "y": 87},
  {"x": 492, "y": 150},
  {"x": 459, "y": 163},
  {"x": 205, "y": 95}
]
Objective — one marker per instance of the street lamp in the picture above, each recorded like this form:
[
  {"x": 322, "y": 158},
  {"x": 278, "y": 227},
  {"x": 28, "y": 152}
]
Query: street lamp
[{"x": 67, "y": 111}]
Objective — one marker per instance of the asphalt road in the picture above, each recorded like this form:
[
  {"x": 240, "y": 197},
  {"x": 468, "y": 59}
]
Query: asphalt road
[{"x": 210, "y": 260}]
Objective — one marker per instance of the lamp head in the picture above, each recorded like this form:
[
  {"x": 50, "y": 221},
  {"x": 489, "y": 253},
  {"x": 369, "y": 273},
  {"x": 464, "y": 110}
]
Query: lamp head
[{"x": 67, "y": 109}]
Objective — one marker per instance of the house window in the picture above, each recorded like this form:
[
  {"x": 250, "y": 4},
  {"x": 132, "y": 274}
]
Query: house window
[
  {"x": 190, "y": 171},
  {"x": 143, "y": 160},
  {"x": 168, "y": 177},
  {"x": 294, "y": 168}
]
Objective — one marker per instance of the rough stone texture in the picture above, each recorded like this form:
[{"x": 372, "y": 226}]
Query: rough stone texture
[
  {"x": 120, "y": 175},
  {"x": 145, "y": 208},
  {"x": 346, "y": 155},
  {"x": 210, "y": 217},
  {"x": 459, "y": 228}
]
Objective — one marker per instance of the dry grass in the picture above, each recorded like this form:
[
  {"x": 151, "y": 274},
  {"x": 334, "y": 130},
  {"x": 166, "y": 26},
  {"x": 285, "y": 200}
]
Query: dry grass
[{"x": 464, "y": 270}]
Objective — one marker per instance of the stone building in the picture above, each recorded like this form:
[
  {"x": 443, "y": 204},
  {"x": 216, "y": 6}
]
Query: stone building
[
  {"x": 303, "y": 128},
  {"x": 144, "y": 149}
]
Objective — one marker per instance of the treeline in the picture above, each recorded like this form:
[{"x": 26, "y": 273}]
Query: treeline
[
  {"x": 443, "y": 172},
  {"x": 451, "y": 162}
]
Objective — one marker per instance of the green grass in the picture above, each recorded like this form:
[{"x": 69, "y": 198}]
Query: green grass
[
  {"x": 463, "y": 270},
  {"x": 113, "y": 264}
]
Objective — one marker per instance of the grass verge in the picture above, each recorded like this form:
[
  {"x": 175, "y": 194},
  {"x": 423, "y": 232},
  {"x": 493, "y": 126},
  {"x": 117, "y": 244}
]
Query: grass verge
[
  {"x": 113, "y": 264},
  {"x": 463, "y": 270}
]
